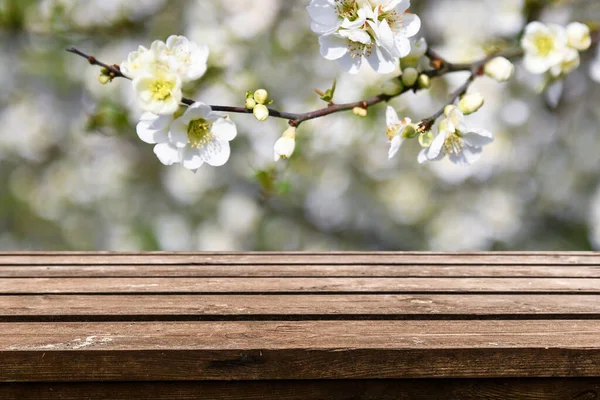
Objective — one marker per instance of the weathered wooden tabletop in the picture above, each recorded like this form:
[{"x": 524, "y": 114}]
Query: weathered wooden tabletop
[{"x": 300, "y": 325}]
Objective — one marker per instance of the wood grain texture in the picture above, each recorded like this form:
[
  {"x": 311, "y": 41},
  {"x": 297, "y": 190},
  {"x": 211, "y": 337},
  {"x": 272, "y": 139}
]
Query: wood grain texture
[
  {"x": 297, "y": 350},
  {"x": 295, "y": 307},
  {"x": 295, "y": 258},
  {"x": 298, "y": 270},
  {"x": 300, "y": 325},
  {"x": 391, "y": 389},
  {"x": 297, "y": 285}
]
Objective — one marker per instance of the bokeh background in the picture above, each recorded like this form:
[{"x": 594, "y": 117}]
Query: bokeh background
[{"x": 74, "y": 175}]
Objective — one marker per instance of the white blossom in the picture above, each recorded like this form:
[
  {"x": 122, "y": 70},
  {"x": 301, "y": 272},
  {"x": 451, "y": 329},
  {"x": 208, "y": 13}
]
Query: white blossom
[
  {"x": 185, "y": 57},
  {"x": 462, "y": 146},
  {"x": 135, "y": 63},
  {"x": 198, "y": 136},
  {"x": 395, "y": 130},
  {"x": 393, "y": 26},
  {"x": 544, "y": 46},
  {"x": 356, "y": 30},
  {"x": 159, "y": 93}
]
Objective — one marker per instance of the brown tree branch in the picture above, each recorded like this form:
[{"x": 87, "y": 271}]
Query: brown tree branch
[{"x": 441, "y": 66}]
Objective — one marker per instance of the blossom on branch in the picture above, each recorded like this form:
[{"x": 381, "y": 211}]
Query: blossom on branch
[
  {"x": 159, "y": 72},
  {"x": 198, "y": 136},
  {"x": 553, "y": 48},
  {"x": 356, "y": 30},
  {"x": 462, "y": 146},
  {"x": 397, "y": 130}
]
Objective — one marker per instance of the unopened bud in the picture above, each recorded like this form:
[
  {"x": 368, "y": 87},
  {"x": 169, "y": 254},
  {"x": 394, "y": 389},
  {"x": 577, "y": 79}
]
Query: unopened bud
[
  {"x": 261, "y": 96},
  {"x": 250, "y": 103},
  {"x": 499, "y": 68},
  {"x": 361, "y": 112},
  {"x": 409, "y": 76},
  {"x": 470, "y": 103},
  {"x": 103, "y": 79},
  {"x": 261, "y": 112},
  {"x": 579, "y": 36},
  {"x": 104, "y": 71},
  {"x": 285, "y": 145},
  {"x": 448, "y": 108},
  {"x": 392, "y": 87},
  {"x": 424, "y": 81}
]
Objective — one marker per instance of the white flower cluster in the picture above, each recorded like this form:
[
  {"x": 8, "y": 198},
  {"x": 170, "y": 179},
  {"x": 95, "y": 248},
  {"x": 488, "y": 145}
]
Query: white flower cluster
[
  {"x": 196, "y": 136},
  {"x": 553, "y": 48},
  {"x": 351, "y": 31},
  {"x": 462, "y": 146}
]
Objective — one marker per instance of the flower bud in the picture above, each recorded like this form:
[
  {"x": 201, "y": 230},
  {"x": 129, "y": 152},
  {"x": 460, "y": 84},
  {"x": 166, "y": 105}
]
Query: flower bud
[
  {"x": 285, "y": 145},
  {"x": 392, "y": 87},
  {"x": 470, "y": 103},
  {"x": 424, "y": 81},
  {"x": 250, "y": 103},
  {"x": 361, "y": 112},
  {"x": 261, "y": 96},
  {"x": 579, "y": 36},
  {"x": 500, "y": 69},
  {"x": 261, "y": 112},
  {"x": 409, "y": 76},
  {"x": 448, "y": 109},
  {"x": 103, "y": 79}
]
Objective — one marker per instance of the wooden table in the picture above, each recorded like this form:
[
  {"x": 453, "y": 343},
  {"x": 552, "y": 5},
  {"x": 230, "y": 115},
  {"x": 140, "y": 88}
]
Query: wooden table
[{"x": 300, "y": 326}]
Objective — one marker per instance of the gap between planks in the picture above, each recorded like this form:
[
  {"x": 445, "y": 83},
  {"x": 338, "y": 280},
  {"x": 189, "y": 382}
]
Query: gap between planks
[
  {"x": 228, "y": 258},
  {"x": 298, "y": 271}
]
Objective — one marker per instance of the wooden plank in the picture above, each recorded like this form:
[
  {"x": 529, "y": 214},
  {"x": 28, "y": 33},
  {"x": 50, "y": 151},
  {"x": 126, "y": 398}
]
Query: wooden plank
[
  {"x": 295, "y": 307},
  {"x": 390, "y": 389},
  {"x": 298, "y": 285},
  {"x": 299, "y": 270},
  {"x": 297, "y": 350},
  {"x": 332, "y": 258}
]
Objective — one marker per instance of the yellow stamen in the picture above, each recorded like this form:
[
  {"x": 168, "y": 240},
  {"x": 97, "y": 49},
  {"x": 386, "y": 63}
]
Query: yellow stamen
[{"x": 199, "y": 133}]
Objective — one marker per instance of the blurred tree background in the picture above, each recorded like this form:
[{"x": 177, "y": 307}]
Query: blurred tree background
[{"x": 75, "y": 176}]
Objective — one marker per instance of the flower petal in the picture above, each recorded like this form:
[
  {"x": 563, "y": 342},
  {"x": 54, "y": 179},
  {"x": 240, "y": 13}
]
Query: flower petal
[
  {"x": 395, "y": 145},
  {"x": 350, "y": 64},
  {"x": 391, "y": 117},
  {"x": 478, "y": 137},
  {"x": 154, "y": 128},
  {"x": 178, "y": 133},
  {"x": 436, "y": 146},
  {"x": 191, "y": 158},
  {"x": 333, "y": 47},
  {"x": 224, "y": 129},
  {"x": 215, "y": 153},
  {"x": 167, "y": 153}
]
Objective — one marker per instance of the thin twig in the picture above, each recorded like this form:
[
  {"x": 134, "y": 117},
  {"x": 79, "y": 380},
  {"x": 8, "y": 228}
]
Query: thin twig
[{"x": 294, "y": 119}]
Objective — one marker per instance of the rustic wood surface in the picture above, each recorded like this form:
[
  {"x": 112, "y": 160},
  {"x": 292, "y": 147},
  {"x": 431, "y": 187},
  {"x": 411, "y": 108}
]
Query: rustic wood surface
[{"x": 300, "y": 326}]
